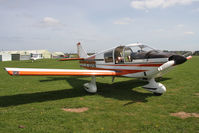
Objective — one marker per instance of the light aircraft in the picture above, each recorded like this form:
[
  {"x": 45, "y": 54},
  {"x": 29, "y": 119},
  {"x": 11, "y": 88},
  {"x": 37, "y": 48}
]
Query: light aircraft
[
  {"x": 35, "y": 57},
  {"x": 132, "y": 60}
]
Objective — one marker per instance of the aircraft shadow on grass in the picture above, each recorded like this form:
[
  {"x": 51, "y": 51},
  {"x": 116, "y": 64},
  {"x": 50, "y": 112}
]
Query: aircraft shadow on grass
[{"x": 118, "y": 90}]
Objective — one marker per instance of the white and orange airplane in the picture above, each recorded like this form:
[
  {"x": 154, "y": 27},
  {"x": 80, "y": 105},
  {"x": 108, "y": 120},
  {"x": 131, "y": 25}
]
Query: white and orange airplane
[{"x": 132, "y": 60}]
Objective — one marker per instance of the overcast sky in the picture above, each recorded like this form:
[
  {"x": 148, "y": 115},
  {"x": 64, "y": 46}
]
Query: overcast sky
[{"x": 57, "y": 25}]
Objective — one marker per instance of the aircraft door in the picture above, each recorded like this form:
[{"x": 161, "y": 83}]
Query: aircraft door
[{"x": 118, "y": 55}]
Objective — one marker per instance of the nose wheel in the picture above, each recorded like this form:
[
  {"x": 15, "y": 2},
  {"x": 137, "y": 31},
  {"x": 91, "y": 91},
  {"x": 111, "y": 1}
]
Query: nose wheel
[
  {"x": 157, "y": 94},
  {"x": 157, "y": 88}
]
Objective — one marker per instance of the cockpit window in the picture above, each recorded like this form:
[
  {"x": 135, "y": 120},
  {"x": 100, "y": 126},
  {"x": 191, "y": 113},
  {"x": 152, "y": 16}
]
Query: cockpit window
[
  {"x": 127, "y": 54},
  {"x": 108, "y": 56}
]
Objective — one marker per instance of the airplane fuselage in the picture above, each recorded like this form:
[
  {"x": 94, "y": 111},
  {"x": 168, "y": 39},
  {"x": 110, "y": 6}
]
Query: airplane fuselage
[{"x": 128, "y": 63}]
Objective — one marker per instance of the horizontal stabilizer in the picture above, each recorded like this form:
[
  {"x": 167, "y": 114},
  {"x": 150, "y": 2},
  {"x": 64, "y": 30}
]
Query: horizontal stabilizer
[{"x": 58, "y": 72}]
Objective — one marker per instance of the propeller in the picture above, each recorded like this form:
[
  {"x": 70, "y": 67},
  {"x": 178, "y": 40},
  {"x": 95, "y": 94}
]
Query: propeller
[
  {"x": 189, "y": 57},
  {"x": 174, "y": 60},
  {"x": 187, "y": 54}
]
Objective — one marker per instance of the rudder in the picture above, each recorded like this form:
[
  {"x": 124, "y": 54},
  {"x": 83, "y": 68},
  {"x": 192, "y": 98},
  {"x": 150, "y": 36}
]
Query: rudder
[{"x": 81, "y": 52}]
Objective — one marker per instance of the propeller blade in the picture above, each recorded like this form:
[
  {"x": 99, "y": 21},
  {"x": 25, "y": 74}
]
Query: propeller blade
[
  {"x": 187, "y": 54},
  {"x": 166, "y": 65}
]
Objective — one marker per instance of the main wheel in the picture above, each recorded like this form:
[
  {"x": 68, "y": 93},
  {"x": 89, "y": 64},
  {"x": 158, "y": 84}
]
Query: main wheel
[{"x": 157, "y": 94}]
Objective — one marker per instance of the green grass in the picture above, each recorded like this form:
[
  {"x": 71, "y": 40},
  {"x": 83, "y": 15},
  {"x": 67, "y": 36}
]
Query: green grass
[{"x": 36, "y": 102}]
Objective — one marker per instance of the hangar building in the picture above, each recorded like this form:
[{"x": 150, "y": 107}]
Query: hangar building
[
  {"x": 45, "y": 53},
  {"x": 5, "y": 57}
]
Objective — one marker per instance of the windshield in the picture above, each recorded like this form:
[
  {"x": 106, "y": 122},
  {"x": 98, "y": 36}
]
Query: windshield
[
  {"x": 141, "y": 48},
  {"x": 136, "y": 52}
]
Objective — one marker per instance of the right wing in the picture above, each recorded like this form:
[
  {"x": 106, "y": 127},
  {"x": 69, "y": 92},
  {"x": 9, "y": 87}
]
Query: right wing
[{"x": 59, "y": 72}]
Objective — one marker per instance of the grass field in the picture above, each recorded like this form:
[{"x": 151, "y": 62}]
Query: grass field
[{"x": 36, "y": 102}]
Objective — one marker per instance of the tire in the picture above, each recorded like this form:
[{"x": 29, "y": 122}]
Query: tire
[{"x": 157, "y": 94}]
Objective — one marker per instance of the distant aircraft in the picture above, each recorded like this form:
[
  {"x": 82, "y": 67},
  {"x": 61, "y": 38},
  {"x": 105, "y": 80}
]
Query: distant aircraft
[
  {"x": 35, "y": 57},
  {"x": 132, "y": 60}
]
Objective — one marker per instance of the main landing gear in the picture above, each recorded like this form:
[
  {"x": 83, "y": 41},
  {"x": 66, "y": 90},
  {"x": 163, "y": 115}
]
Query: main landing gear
[
  {"x": 157, "y": 88},
  {"x": 91, "y": 87}
]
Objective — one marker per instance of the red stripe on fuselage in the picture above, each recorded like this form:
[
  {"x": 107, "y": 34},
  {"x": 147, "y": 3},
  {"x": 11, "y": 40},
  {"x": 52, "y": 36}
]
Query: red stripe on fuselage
[
  {"x": 87, "y": 62},
  {"x": 119, "y": 72},
  {"x": 138, "y": 65},
  {"x": 68, "y": 59}
]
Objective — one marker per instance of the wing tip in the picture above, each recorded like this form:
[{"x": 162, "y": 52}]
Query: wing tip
[{"x": 7, "y": 69}]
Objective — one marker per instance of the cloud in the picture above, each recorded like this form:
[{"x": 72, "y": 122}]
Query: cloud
[
  {"x": 124, "y": 21},
  {"x": 49, "y": 22},
  {"x": 148, "y": 4},
  {"x": 189, "y": 33}
]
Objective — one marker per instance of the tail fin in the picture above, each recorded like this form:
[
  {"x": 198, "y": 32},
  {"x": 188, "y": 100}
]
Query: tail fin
[{"x": 81, "y": 52}]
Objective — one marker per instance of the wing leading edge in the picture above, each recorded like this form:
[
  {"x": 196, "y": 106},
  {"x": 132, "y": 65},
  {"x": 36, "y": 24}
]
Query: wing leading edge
[{"x": 59, "y": 72}]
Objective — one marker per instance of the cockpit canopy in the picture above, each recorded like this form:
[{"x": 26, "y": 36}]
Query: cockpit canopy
[{"x": 128, "y": 53}]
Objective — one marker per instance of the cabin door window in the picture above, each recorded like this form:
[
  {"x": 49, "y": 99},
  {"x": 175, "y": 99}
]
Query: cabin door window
[
  {"x": 127, "y": 55},
  {"x": 108, "y": 57}
]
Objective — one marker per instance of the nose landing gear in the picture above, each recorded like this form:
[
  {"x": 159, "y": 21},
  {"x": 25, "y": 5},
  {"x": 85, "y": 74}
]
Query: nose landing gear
[{"x": 157, "y": 88}]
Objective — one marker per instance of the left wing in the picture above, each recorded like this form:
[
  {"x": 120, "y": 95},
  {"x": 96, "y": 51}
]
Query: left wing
[{"x": 59, "y": 72}]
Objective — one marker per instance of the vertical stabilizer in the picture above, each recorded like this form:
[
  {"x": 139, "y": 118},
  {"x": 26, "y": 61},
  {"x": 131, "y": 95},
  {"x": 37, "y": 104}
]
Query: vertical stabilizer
[{"x": 81, "y": 52}]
